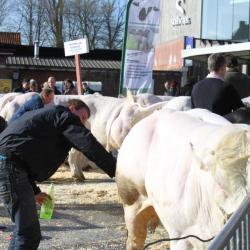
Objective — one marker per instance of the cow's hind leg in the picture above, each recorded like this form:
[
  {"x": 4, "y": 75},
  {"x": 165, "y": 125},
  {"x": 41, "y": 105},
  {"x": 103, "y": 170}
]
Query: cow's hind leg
[
  {"x": 137, "y": 218},
  {"x": 137, "y": 211}
]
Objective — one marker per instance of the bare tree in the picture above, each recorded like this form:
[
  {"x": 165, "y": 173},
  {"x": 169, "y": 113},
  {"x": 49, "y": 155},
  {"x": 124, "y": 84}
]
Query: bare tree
[
  {"x": 3, "y": 10},
  {"x": 89, "y": 20},
  {"x": 55, "y": 12},
  {"x": 52, "y": 22},
  {"x": 113, "y": 22},
  {"x": 71, "y": 29},
  {"x": 40, "y": 31},
  {"x": 30, "y": 16},
  {"x": 25, "y": 10}
]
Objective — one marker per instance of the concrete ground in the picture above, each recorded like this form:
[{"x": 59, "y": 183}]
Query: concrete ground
[{"x": 87, "y": 216}]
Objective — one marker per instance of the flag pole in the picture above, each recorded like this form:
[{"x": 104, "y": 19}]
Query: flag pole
[{"x": 124, "y": 48}]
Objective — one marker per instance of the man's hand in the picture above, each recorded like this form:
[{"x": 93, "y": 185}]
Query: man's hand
[{"x": 41, "y": 197}]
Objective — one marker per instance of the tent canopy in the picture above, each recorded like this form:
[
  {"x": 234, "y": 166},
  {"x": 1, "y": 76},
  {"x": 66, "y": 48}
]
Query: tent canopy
[{"x": 241, "y": 50}]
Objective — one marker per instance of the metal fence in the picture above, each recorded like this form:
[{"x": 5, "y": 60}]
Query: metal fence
[{"x": 235, "y": 235}]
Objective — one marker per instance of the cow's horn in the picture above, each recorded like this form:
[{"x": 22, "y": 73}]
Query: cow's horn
[{"x": 130, "y": 96}]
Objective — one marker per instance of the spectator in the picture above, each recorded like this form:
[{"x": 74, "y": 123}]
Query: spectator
[
  {"x": 33, "y": 86},
  {"x": 52, "y": 84},
  {"x": 212, "y": 93},
  {"x": 69, "y": 88},
  {"x": 24, "y": 86},
  {"x": 233, "y": 76},
  {"x": 36, "y": 102},
  {"x": 171, "y": 87},
  {"x": 32, "y": 148},
  {"x": 186, "y": 90},
  {"x": 86, "y": 89}
]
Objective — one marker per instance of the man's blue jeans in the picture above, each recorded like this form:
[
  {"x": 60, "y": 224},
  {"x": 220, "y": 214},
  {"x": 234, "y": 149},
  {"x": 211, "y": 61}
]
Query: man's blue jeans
[{"x": 18, "y": 197}]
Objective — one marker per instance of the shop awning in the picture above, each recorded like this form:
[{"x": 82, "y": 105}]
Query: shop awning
[{"x": 241, "y": 50}]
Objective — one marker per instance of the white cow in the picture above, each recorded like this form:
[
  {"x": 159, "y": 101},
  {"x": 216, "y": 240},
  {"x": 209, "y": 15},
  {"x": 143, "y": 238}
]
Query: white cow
[
  {"x": 102, "y": 109},
  {"x": 17, "y": 100},
  {"x": 110, "y": 121},
  {"x": 149, "y": 99},
  {"x": 6, "y": 98},
  {"x": 175, "y": 166},
  {"x": 180, "y": 103}
]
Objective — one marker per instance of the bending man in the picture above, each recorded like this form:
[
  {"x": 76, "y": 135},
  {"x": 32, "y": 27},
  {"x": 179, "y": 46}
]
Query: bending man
[{"x": 31, "y": 149}]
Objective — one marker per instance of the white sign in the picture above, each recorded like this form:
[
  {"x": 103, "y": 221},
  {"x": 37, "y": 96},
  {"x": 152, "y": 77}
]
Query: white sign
[{"x": 76, "y": 47}]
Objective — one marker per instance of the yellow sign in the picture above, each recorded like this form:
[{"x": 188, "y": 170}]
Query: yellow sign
[{"x": 5, "y": 85}]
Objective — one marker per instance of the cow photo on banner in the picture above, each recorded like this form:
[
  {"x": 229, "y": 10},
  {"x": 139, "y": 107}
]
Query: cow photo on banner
[{"x": 142, "y": 28}]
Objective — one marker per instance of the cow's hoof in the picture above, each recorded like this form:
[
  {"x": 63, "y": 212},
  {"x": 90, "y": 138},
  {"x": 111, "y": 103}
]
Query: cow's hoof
[
  {"x": 87, "y": 168},
  {"x": 79, "y": 178}
]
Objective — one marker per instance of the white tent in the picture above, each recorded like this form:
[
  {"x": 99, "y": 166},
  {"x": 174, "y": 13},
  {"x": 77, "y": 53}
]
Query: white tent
[{"x": 241, "y": 50}]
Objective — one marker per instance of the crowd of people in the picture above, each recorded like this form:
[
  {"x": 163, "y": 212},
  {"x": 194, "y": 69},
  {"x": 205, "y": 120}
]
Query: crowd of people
[{"x": 68, "y": 87}]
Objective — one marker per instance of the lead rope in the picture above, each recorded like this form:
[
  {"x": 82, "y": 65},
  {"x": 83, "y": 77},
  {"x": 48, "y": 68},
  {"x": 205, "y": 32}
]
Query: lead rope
[{"x": 180, "y": 238}]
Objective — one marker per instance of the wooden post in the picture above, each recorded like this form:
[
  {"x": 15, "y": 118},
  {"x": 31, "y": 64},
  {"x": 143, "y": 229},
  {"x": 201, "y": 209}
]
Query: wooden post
[{"x": 78, "y": 74}]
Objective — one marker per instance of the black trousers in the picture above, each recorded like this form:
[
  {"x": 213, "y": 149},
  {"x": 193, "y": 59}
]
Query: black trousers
[{"x": 18, "y": 197}]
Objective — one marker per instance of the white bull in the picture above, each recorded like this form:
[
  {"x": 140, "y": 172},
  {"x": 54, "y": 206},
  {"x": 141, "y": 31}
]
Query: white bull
[
  {"x": 110, "y": 121},
  {"x": 15, "y": 101},
  {"x": 149, "y": 99},
  {"x": 179, "y": 103},
  {"x": 175, "y": 166},
  {"x": 6, "y": 98}
]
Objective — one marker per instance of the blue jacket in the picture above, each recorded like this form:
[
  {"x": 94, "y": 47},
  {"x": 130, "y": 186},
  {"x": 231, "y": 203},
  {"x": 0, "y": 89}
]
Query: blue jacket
[{"x": 34, "y": 103}]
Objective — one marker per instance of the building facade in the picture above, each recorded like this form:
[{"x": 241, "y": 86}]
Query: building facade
[{"x": 199, "y": 23}]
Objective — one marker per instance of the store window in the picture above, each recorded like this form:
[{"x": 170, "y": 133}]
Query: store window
[
  {"x": 226, "y": 20},
  {"x": 241, "y": 20},
  {"x": 209, "y": 24}
]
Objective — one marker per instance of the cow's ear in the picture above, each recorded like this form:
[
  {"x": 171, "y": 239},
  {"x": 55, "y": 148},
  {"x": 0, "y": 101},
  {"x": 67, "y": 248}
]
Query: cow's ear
[{"x": 197, "y": 158}]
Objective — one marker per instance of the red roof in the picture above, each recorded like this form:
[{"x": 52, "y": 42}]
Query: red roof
[{"x": 10, "y": 38}]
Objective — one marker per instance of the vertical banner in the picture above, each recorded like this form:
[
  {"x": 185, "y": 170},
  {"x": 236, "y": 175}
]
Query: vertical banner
[{"x": 142, "y": 28}]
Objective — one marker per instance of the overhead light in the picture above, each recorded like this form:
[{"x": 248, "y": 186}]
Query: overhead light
[{"x": 238, "y": 1}]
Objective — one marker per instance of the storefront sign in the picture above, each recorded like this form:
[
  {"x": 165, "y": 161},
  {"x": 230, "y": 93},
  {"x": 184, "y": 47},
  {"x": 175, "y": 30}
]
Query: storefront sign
[
  {"x": 180, "y": 20},
  {"x": 189, "y": 43}
]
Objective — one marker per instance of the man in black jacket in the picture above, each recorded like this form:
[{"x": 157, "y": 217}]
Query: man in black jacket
[
  {"x": 212, "y": 93},
  {"x": 31, "y": 149},
  {"x": 238, "y": 80}
]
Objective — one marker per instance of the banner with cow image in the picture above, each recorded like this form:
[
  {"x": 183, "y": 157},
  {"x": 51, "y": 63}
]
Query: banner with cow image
[{"x": 142, "y": 28}]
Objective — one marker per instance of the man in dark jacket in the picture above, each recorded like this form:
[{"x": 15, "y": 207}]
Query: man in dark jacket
[
  {"x": 212, "y": 93},
  {"x": 24, "y": 86},
  {"x": 31, "y": 149},
  {"x": 238, "y": 80},
  {"x": 52, "y": 84}
]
